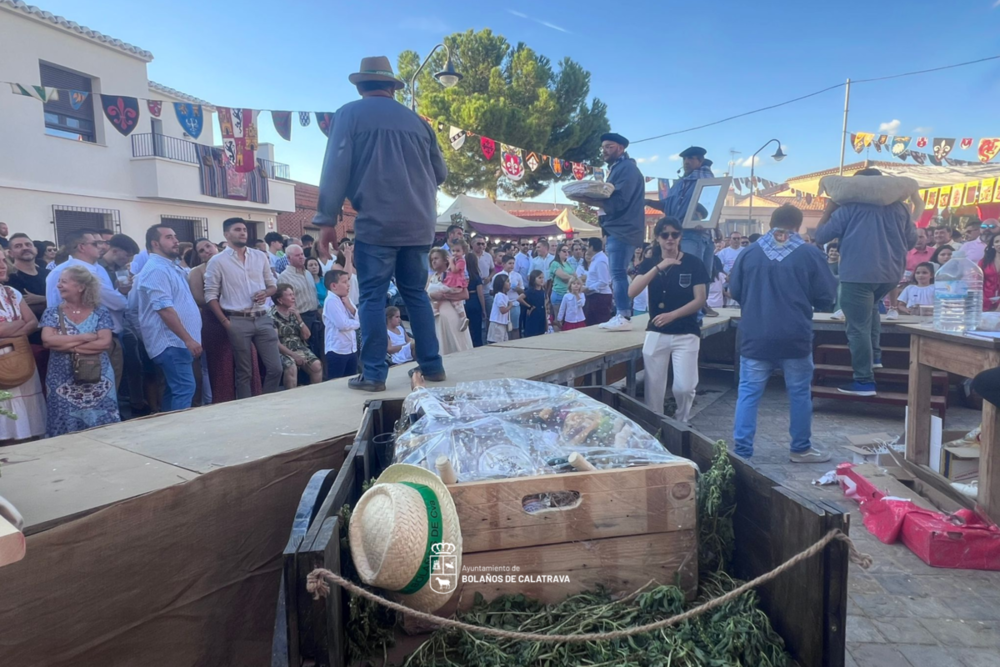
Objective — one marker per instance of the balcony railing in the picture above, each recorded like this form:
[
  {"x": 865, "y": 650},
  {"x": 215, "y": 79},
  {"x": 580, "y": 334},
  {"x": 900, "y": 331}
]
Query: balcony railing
[{"x": 172, "y": 148}]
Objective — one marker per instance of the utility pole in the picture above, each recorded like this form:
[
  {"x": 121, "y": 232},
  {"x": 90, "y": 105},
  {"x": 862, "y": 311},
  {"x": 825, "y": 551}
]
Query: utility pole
[
  {"x": 843, "y": 136},
  {"x": 732, "y": 161}
]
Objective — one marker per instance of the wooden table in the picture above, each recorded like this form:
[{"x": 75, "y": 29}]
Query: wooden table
[{"x": 966, "y": 356}]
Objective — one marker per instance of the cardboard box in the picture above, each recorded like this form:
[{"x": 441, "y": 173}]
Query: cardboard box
[
  {"x": 960, "y": 463},
  {"x": 863, "y": 448}
]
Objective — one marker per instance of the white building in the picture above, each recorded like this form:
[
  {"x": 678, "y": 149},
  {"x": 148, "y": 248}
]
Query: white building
[{"x": 63, "y": 168}]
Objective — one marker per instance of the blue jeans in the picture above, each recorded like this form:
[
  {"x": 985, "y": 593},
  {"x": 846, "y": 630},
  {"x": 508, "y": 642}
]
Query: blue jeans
[
  {"x": 376, "y": 266},
  {"x": 175, "y": 362},
  {"x": 754, "y": 374},
  {"x": 698, "y": 242},
  {"x": 619, "y": 258}
]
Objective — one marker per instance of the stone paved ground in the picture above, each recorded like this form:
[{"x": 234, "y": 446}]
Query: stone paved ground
[{"x": 901, "y": 613}]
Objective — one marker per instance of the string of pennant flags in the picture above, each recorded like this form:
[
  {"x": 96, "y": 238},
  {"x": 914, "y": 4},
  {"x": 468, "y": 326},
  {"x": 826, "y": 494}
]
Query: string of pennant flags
[{"x": 987, "y": 148}]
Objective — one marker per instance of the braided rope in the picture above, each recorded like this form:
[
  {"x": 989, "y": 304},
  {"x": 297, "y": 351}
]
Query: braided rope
[{"x": 319, "y": 580}]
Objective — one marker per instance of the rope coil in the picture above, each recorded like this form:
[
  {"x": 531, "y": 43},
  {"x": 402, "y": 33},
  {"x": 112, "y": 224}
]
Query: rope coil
[{"x": 318, "y": 583}]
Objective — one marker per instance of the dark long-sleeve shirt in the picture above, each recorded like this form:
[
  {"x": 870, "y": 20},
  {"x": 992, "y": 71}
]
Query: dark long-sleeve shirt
[
  {"x": 386, "y": 160},
  {"x": 625, "y": 210},
  {"x": 777, "y": 300},
  {"x": 874, "y": 241}
]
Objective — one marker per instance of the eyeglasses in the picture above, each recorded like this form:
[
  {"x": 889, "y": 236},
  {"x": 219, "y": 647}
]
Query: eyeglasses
[
  {"x": 987, "y": 226},
  {"x": 670, "y": 235}
]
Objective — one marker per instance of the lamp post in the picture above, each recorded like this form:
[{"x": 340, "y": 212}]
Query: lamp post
[
  {"x": 777, "y": 157},
  {"x": 447, "y": 77}
]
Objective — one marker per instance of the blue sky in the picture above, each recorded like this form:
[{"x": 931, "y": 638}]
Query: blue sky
[{"x": 659, "y": 66}]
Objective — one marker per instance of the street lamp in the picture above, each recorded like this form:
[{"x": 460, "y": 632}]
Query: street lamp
[
  {"x": 447, "y": 77},
  {"x": 777, "y": 157}
]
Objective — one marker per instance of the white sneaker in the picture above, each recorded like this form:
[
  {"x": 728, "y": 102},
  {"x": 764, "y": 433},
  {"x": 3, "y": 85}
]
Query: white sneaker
[
  {"x": 839, "y": 315},
  {"x": 893, "y": 314},
  {"x": 617, "y": 323}
]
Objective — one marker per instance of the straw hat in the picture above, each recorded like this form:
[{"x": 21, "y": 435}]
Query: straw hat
[
  {"x": 405, "y": 537},
  {"x": 376, "y": 68}
]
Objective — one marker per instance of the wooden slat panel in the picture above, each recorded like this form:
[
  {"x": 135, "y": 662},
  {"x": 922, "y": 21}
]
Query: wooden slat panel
[
  {"x": 989, "y": 462},
  {"x": 954, "y": 357},
  {"x": 630, "y": 501},
  {"x": 918, "y": 426}
]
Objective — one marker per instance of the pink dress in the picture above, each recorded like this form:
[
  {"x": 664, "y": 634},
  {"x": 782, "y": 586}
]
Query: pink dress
[{"x": 457, "y": 277}]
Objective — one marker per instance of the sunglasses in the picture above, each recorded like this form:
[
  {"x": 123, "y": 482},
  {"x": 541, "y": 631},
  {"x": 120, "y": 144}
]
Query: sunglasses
[
  {"x": 987, "y": 226},
  {"x": 670, "y": 235}
]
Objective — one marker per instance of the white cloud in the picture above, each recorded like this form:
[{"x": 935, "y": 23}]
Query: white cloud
[
  {"x": 652, "y": 158},
  {"x": 429, "y": 24},
  {"x": 677, "y": 158},
  {"x": 892, "y": 127},
  {"x": 925, "y": 130},
  {"x": 755, "y": 161},
  {"x": 996, "y": 4},
  {"x": 553, "y": 26}
]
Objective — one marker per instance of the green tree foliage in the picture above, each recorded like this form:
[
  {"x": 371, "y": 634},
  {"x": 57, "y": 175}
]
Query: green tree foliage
[{"x": 515, "y": 96}]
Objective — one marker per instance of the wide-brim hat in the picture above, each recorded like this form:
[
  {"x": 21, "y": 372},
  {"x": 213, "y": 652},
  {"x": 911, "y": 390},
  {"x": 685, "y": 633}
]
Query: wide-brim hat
[
  {"x": 405, "y": 537},
  {"x": 376, "y": 68}
]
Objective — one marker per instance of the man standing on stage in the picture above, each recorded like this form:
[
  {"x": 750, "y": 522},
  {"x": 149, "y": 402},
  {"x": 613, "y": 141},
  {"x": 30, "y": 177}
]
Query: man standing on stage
[
  {"x": 623, "y": 220},
  {"x": 386, "y": 160}
]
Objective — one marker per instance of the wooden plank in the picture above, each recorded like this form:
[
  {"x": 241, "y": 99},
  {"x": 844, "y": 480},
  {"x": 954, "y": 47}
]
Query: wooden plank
[
  {"x": 927, "y": 331},
  {"x": 890, "y": 486},
  {"x": 989, "y": 462},
  {"x": 953, "y": 357},
  {"x": 630, "y": 501},
  {"x": 918, "y": 426},
  {"x": 836, "y": 565},
  {"x": 620, "y": 564}
]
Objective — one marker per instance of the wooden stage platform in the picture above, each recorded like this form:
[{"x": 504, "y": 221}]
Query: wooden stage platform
[{"x": 148, "y": 537}]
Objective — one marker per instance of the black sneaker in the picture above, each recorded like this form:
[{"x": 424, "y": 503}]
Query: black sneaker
[
  {"x": 361, "y": 384},
  {"x": 435, "y": 377}
]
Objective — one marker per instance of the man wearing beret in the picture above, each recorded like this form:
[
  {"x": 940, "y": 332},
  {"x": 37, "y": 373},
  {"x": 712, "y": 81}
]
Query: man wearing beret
[
  {"x": 623, "y": 219},
  {"x": 697, "y": 242}
]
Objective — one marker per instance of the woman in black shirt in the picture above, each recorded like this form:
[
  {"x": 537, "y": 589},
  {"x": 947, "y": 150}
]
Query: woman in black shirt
[{"x": 678, "y": 288}]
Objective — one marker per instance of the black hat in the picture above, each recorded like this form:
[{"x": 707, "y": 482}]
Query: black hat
[
  {"x": 694, "y": 151},
  {"x": 615, "y": 137}
]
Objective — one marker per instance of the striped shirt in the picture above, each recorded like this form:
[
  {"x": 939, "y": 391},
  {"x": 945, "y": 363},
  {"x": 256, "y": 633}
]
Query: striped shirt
[
  {"x": 233, "y": 283},
  {"x": 111, "y": 298},
  {"x": 162, "y": 284},
  {"x": 304, "y": 286}
]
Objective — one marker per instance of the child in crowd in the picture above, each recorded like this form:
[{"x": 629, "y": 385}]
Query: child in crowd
[
  {"x": 340, "y": 316},
  {"x": 717, "y": 290},
  {"x": 920, "y": 291},
  {"x": 401, "y": 346},
  {"x": 500, "y": 317},
  {"x": 571, "y": 309},
  {"x": 457, "y": 278},
  {"x": 535, "y": 322}
]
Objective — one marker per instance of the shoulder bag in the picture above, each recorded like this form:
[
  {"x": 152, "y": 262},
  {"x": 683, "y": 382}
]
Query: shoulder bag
[
  {"x": 86, "y": 367},
  {"x": 17, "y": 362}
]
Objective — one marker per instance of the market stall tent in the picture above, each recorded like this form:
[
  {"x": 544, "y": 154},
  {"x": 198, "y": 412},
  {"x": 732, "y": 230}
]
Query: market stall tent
[
  {"x": 567, "y": 222},
  {"x": 486, "y": 218}
]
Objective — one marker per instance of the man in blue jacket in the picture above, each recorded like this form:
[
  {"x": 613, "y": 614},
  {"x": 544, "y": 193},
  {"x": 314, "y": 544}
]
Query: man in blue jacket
[
  {"x": 778, "y": 281},
  {"x": 623, "y": 219},
  {"x": 874, "y": 241}
]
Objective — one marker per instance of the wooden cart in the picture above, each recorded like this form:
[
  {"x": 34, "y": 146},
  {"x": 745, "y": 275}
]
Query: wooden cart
[{"x": 807, "y": 605}]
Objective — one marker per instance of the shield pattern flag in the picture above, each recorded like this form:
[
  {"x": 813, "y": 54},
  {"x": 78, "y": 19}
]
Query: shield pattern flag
[
  {"x": 155, "y": 107},
  {"x": 988, "y": 149},
  {"x": 512, "y": 166},
  {"x": 599, "y": 174},
  {"x": 77, "y": 98},
  {"x": 857, "y": 142},
  {"x": 532, "y": 161},
  {"x": 304, "y": 118},
  {"x": 899, "y": 146},
  {"x": 918, "y": 157},
  {"x": 40, "y": 93},
  {"x": 190, "y": 117},
  {"x": 966, "y": 143},
  {"x": 122, "y": 112},
  {"x": 557, "y": 166},
  {"x": 325, "y": 121},
  {"x": 282, "y": 124},
  {"x": 921, "y": 142},
  {"x": 942, "y": 147},
  {"x": 456, "y": 136},
  {"x": 579, "y": 170},
  {"x": 239, "y": 138},
  {"x": 488, "y": 146}
]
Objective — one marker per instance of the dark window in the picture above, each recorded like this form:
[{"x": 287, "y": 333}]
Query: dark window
[
  {"x": 252, "y": 232},
  {"x": 61, "y": 119},
  {"x": 71, "y": 218},
  {"x": 187, "y": 229}
]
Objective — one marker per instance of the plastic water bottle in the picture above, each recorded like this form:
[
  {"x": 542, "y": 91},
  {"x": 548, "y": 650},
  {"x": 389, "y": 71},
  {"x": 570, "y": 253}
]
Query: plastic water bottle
[{"x": 958, "y": 295}]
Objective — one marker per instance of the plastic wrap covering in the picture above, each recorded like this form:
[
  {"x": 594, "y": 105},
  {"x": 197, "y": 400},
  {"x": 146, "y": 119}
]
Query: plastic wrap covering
[
  {"x": 592, "y": 189},
  {"x": 498, "y": 429}
]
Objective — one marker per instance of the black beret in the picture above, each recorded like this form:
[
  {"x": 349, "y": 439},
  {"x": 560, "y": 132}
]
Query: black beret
[
  {"x": 615, "y": 137},
  {"x": 694, "y": 151}
]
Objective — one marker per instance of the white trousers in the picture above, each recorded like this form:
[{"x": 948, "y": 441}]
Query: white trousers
[{"x": 658, "y": 351}]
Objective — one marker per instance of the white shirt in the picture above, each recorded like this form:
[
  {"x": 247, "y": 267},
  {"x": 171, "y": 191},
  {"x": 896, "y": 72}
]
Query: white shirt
[
  {"x": 399, "y": 338},
  {"x": 112, "y": 299},
  {"x": 542, "y": 264},
  {"x": 233, "y": 283},
  {"x": 914, "y": 295},
  {"x": 599, "y": 274},
  {"x": 516, "y": 283},
  {"x": 571, "y": 308},
  {"x": 641, "y": 302},
  {"x": 728, "y": 257},
  {"x": 974, "y": 250},
  {"x": 500, "y": 301},
  {"x": 340, "y": 326},
  {"x": 485, "y": 262},
  {"x": 716, "y": 292}
]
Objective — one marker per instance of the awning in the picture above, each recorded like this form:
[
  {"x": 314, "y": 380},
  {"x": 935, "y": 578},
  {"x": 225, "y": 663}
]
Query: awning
[
  {"x": 489, "y": 219},
  {"x": 567, "y": 222}
]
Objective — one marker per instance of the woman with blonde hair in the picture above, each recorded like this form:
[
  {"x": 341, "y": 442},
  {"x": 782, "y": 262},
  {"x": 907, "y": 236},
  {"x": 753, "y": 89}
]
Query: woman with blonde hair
[
  {"x": 80, "y": 380},
  {"x": 26, "y": 401}
]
